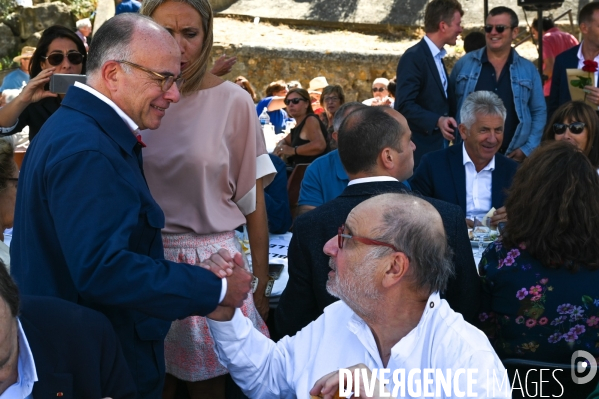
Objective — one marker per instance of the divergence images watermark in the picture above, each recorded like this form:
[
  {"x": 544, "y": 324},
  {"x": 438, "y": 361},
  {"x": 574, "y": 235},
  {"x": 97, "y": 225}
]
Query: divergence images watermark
[{"x": 463, "y": 382}]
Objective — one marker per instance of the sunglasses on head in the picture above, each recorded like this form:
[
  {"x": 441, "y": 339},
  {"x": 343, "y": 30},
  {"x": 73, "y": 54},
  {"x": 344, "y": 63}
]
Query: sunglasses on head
[
  {"x": 380, "y": 89},
  {"x": 55, "y": 59},
  {"x": 293, "y": 100},
  {"x": 498, "y": 28},
  {"x": 575, "y": 127}
]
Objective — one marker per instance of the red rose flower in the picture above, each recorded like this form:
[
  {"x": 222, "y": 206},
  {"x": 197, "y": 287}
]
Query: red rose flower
[{"x": 589, "y": 66}]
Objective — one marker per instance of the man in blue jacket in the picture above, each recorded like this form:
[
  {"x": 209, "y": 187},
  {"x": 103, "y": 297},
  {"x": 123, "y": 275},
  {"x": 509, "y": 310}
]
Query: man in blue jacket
[
  {"x": 498, "y": 68},
  {"x": 86, "y": 227},
  {"x": 472, "y": 174},
  {"x": 423, "y": 92},
  {"x": 53, "y": 348},
  {"x": 588, "y": 49}
]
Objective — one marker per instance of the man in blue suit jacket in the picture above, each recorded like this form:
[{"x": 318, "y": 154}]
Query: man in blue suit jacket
[
  {"x": 422, "y": 80},
  {"x": 86, "y": 228},
  {"x": 472, "y": 175},
  {"x": 573, "y": 58},
  {"x": 57, "y": 349}
]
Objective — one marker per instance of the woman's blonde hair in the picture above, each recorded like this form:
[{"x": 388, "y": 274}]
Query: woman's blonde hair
[{"x": 195, "y": 72}]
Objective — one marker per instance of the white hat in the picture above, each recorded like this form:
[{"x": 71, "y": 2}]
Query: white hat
[
  {"x": 26, "y": 52},
  {"x": 317, "y": 84},
  {"x": 381, "y": 81}
]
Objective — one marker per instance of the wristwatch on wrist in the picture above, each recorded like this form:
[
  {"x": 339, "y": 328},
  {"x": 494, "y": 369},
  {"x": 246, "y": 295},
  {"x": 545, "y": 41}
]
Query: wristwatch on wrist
[
  {"x": 295, "y": 150},
  {"x": 269, "y": 284}
]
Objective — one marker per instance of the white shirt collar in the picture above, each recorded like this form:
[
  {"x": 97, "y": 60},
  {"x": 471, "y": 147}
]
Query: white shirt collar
[
  {"x": 579, "y": 54},
  {"x": 132, "y": 125},
  {"x": 405, "y": 346},
  {"x": 371, "y": 179},
  {"x": 466, "y": 159},
  {"x": 434, "y": 49},
  {"x": 26, "y": 368}
]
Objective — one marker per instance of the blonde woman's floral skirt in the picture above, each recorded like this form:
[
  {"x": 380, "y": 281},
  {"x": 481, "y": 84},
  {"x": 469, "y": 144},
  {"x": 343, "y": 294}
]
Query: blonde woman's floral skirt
[{"x": 188, "y": 347}]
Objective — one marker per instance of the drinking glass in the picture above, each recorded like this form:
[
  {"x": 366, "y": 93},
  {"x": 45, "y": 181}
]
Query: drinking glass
[{"x": 480, "y": 232}]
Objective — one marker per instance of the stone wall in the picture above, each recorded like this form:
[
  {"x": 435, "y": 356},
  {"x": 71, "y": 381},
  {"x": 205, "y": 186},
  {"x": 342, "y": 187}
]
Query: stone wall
[
  {"x": 24, "y": 27},
  {"x": 352, "y": 71}
]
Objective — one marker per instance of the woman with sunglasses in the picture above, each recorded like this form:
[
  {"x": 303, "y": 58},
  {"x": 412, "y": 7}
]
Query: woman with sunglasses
[
  {"x": 576, "y": 122},
  {"x": 206, "y": 166},
  {"x": 59, "y": 50},
  {"x": 307, "y": 140}
]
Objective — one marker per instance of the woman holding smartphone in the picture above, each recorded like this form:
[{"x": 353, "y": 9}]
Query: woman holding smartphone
[{"x": 59, "y": 51}]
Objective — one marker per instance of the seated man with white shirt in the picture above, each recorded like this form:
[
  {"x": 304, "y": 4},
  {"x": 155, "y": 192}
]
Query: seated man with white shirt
[
  {"x": 472, "y": 175},
  {"x": 390, "y": 315}
]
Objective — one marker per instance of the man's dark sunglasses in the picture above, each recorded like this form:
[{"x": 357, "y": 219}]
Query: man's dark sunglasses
[
  {"x": 498, "y": 28},
  {"x": 294, "y": 101},
  {"x": 381, "y": 89},
  {"x": 55, "y": 59},
  {"x": 575, "y": 127}
]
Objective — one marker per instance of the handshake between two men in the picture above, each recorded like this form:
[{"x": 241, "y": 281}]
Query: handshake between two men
[{"x": 390, "y": 320}]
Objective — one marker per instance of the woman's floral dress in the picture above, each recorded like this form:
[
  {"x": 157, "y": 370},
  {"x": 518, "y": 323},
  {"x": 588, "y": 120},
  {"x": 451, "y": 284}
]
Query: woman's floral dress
[{"x": 533, "y": 312}]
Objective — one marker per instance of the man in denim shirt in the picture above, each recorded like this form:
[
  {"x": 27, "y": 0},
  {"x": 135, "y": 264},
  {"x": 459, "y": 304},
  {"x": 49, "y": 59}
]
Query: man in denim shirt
[{"x": 498, "y": 68}]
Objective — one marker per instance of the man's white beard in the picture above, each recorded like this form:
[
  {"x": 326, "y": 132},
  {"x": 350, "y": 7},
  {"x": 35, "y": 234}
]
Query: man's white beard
[{"x": 358, "y": 291}]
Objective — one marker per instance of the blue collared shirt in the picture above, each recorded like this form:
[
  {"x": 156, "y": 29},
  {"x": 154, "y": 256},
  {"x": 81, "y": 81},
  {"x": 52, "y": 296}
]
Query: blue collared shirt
[
  {"x": 15, "y": 80},
  {"x": 27, "y": 375},
  {"x": 438, "y": 55},
  {"x": 323, "y": 181}
]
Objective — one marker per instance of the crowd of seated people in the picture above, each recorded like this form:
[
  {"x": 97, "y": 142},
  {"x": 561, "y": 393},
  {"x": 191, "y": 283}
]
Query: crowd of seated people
[{"x": 380, "y": 261}]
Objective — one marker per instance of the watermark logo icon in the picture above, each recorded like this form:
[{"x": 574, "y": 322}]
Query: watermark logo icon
[{"x": 579, "y": 367}]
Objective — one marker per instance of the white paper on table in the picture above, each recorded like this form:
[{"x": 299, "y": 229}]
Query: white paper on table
[{"x": 277, "y": 254}]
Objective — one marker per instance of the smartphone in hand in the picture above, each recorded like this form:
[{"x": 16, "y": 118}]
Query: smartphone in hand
[{"x": 59, "y": 83}]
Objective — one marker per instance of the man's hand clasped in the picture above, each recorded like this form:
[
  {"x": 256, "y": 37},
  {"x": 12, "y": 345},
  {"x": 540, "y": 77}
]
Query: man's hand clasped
[{"x": 239, "y": 282}]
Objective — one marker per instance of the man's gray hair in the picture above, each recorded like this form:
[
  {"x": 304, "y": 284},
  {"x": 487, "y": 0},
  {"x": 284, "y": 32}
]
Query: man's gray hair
[
  {"x": 423, "y": 242},
  {"x": 343, "y": 111},
  {"x": 112, "y": 41},
  {"x": 480, "y": 103},
  {"x": 83, "y": 23}
]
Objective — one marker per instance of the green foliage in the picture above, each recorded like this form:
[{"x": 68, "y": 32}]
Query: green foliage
[
  {"x": 7, "y": 63},
  {"x": 82, "y": 8},
  {"x": 6, "y": 7},
  {"x": 581, "y": 82}
]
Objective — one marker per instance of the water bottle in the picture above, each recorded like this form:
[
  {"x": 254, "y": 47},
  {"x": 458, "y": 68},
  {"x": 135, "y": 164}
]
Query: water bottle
[{"x": 264, "y": 118}]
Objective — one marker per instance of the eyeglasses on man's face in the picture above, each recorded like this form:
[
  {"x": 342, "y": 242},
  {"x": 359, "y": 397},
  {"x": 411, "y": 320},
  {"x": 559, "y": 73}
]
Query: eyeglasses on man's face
[
  {"x": 498, "y": 28},
  {"x": 166, "y": 81},
  {"x": 379, "y": 89},
  {"x": 367, "y": 241}
]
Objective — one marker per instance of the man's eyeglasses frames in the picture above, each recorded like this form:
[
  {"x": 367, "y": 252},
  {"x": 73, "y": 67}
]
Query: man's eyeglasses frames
[{"x": 166, "y": 80}]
